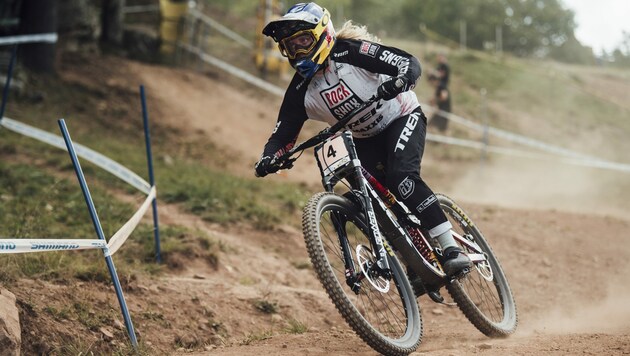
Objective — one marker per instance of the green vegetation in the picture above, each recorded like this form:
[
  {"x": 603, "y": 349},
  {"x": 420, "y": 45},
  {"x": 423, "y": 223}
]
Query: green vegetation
[
  {"x": 541, "y": 29},
  {"x": 40, "y": 196},
  {"x": 296, "y": 327}
]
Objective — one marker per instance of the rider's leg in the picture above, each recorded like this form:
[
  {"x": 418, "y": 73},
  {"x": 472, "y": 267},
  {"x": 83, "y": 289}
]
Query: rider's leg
[{"x": 405, "y": 140}]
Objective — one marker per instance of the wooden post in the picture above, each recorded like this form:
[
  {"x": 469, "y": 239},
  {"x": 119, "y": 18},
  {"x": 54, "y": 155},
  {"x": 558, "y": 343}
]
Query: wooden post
[
  {"x": 36, "y": 17},
  {"x": 112, "y": 21}
]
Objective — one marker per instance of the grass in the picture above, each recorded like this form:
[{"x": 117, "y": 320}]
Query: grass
[
  {"x": 40, "y": 197},
  {"x": 257, "y": 336},
  {"x": 266, "y": 306},
  {"x": 296, "y": 327}
]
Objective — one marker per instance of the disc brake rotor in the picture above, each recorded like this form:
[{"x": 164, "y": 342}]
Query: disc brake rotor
[{"x": 366, "y": 262}]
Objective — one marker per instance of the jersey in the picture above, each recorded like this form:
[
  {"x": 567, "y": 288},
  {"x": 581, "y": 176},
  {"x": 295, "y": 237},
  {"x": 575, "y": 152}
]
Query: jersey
[{"x": 352, "y": 74}]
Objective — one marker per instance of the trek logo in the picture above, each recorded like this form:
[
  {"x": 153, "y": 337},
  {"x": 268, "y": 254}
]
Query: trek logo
[
  {"x": 369, "y": 49},
  {"x": 406, "y": 187},
  {"x": 7, "y": 246},
  {"x": 425, "y": 204},
  {"x": 275, "y": 129},
  {"x": 60, "y": 246},
  {"x": 398, "y": 61},
  {"x": 340, "y": 100},
  {"x": 407, "y": 131}
]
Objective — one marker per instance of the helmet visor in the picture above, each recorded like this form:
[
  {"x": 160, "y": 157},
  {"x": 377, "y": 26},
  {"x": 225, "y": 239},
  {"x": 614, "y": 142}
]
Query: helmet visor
[{"x": 298, "y": 45}]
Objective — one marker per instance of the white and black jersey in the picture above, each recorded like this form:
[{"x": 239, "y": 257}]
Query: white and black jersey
[
  {"x": 389, "y": 135},
  {"x": 353, "y": 72}
]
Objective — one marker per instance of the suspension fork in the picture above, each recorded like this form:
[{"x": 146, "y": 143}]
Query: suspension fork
[
  {"x": 373, "y": 230},
  {"x": 338, "y": 223}
]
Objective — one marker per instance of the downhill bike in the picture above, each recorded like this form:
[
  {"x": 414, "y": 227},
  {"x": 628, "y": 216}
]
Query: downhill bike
[{"x": 374, "y": 259}]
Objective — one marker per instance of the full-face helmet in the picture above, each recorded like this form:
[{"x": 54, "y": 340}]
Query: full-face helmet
[{"x": 305, "y": 35}]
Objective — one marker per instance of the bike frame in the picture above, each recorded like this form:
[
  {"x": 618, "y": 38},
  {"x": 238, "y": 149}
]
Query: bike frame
[
  {"x": 383, "y": 219},
  {"x": 388, "y": 219}
]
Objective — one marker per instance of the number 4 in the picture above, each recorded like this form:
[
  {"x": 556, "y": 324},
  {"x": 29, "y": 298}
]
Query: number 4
[{"x": 331, "y": 152}]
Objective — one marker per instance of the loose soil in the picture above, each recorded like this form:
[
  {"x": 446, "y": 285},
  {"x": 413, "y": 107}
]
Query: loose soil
[{"x": 569, "y": 270}]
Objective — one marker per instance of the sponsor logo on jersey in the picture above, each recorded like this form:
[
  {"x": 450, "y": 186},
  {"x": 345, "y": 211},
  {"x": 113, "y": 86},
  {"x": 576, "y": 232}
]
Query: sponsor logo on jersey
[
  {"x": 340, "y": 54},
  {"x": 340, "y": 100},
  {"x": 425, "y": 204},
  {"x": 412, "y": 121},
  {"x": 369, "y": 49},
  {"x": 406, "y": 187},
  {"x": 398, "y": 61}
]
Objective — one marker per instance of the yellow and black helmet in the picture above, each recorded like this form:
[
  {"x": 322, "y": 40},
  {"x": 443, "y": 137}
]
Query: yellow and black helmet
[{"x": 305, "y": 35}]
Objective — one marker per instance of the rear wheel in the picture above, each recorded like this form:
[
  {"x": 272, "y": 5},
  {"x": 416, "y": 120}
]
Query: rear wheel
[
  {"x": 383, "y": 312},
  {"x": 483, "y": 295}
]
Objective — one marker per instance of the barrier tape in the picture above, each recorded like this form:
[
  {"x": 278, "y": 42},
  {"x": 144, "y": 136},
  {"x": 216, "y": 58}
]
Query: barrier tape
[
  {"x": 46, "y": 245},
  {"x": 273, "y": 89},
  {"x": 219, "y": 27},
  {"x": 527, "y": 154},
  {"x": 510, "y": 136},
  {"x": 98, "y": 159},
  {"x": 119, "y": 238},
  {"x": 140, "y": 8},
  {"x": 42, "y": 37}
]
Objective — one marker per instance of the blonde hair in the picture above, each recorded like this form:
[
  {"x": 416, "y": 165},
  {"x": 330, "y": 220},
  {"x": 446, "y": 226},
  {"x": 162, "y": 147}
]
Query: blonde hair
[{"x": 350, "y": 31}]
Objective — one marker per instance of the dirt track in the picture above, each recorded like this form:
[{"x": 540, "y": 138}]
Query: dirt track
[{"x": 569, "y": 271}]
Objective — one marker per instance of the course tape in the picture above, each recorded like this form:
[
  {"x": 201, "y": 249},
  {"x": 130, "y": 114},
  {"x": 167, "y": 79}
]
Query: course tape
[
  {"x": 273, "y": 89},
  {"x": 119, "y": 238},
  {"x": 565, "y": 155},
  {"x": 98, "y": 159},
  {"x": 219, "y": 27},
  {"x": 526, "y": 141},
  {"x": 43, "y": 37},
  {"x": 45, "y": 245},
  {"x": 527, "y": 154}
]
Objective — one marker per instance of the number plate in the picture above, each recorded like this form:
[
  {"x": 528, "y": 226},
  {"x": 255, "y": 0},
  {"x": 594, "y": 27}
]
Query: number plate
[{"x": 332, "y": 155}]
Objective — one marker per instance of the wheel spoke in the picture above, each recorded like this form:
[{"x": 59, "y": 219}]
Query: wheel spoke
[
  {"x": 386, "y": 312},
  {"x": 486, "y": 302}
]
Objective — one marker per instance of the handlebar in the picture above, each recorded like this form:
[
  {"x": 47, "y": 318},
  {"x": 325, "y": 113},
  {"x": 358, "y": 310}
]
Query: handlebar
[{"x": 285, "y": 161}]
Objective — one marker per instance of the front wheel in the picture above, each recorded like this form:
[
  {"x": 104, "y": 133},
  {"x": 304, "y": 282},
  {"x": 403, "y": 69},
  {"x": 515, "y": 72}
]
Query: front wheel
[
  {"x": 484, "y": 294},
  {"x": 383, "y": 312}
]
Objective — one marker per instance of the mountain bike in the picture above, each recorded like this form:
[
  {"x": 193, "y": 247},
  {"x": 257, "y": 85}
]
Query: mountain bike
[{"x": 374, "y": 259}]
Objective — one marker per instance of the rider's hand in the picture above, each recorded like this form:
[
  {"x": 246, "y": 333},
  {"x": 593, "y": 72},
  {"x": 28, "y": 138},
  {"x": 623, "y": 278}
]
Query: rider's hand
[
  {"x": 392, "y": 87},
  {"x": 264, "y": 167}
]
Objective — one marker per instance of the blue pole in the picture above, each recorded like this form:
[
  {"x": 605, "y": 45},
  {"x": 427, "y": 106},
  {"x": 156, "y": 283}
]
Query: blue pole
[
  {"x": 147, "y": 137},
  {"x": 7, "y": 84},
  {"x": 99, "y": 231}
]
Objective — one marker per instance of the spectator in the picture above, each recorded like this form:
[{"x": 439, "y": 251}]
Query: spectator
[
  {"x": 443, "y": 70},
  {"x": 442, "y": 99}
]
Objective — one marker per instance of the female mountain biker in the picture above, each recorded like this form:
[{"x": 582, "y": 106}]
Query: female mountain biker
[{"x": 337, "y": 73}]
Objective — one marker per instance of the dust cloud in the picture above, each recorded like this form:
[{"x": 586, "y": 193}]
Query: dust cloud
[
  {"x": 611, "y": 314},
  {"x": 540, "y": 184}
]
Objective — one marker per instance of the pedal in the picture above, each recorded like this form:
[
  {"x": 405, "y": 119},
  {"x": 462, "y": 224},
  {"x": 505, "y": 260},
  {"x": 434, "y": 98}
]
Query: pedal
[
  {"x": 436, "y": 297},
  {"x": 460, "y": 275}
]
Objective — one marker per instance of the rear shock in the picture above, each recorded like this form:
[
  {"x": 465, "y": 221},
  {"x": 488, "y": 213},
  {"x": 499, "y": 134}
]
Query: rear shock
[{"x": 422, "y": 245}]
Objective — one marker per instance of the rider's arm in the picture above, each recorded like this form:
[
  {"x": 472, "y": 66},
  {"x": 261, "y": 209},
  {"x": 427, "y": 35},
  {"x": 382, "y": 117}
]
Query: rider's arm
[
  {"x": 290, "y": 119},
  {"x": 378, "y": 58}
]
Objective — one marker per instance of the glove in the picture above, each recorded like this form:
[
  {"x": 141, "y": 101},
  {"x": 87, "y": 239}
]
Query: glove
[
  {"x": 392, "y": 87},
  {"x": 264, "y": 167}
]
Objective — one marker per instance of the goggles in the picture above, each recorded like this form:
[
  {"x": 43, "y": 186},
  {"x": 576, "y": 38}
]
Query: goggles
[{"x": 298, "y": 45}]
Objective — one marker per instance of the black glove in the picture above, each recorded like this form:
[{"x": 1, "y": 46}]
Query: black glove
[
  {"x": 264, "y": 167},
  {"x": 392, "y": 87}
]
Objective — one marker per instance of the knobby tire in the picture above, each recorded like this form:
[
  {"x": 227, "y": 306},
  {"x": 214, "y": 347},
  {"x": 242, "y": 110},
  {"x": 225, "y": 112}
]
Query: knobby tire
[{"x": 331, "y": 274}]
